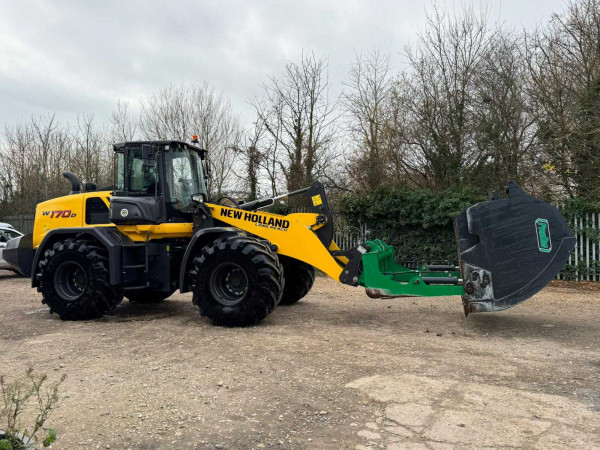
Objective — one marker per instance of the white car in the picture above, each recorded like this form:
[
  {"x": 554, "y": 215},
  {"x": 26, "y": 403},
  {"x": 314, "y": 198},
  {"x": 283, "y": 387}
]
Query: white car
[{"x": 7, "y": 232}]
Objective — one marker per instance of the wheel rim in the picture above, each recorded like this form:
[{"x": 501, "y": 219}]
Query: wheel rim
[
  {"x": 70, "y": 280},
  {"x": 228, "y": 284}
]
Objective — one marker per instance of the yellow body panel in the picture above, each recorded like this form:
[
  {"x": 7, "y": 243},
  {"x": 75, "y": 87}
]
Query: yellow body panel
[
  {"x": 69, "y": 212},
  {"x": 139, "y": 233},
  {"x": 291, "y": 234},
  {"x": 63, "y": 212}
]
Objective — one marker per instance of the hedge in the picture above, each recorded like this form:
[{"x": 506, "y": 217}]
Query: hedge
[{"x": 417, "y": 222}]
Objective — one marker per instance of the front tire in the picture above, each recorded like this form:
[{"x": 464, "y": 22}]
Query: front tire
[
  {"x": 74, "y": 280},
  {"x": 236, "y": 281},
  {"x": 299, "y": 279}
]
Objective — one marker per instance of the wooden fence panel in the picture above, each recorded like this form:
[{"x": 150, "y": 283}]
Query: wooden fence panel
[{"x": 23, "y": 223}]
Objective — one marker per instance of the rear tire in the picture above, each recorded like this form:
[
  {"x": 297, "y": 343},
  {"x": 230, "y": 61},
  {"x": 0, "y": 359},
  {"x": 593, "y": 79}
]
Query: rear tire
[
  {"x": 236, "y": 281},
  {"x": 147, "y": 296},
  {"x": 74, "y": 280},
  {"x": 299, "y": 279}
]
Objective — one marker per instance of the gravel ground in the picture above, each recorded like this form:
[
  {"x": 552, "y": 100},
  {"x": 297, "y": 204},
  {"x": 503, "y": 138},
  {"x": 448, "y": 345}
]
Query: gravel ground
[{"x": 337, "y": 370}]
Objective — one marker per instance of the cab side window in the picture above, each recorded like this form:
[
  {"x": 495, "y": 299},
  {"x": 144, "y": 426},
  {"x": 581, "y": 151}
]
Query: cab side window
[{"x": 142, "y": 178}]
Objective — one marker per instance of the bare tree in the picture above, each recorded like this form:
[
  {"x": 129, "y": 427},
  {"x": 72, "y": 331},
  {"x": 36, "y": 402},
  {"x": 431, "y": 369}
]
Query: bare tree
[
  {"x": 91, "y": 157},
  {"x": 367, "y": 103},
  {"x": 268, "y": 148},
  {"x": 15, "y": 168},
  {"x": 184, "y": 111},
  {"x": 438, "y": 94},
  {"x": 250, "y": 158},
  {"x": 505, "y": 130},
  {"x": 564, "y": 64},
  {"x": 50, "y": 153},
  {"x": 123, "y": 126},
  {"x": 169, "y": 113},
  {"x": 34, "y": 155},
  {"x": 299, "y": 120}
]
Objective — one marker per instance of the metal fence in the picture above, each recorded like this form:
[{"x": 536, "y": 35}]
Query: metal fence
[
  {"x": 583, "y": 264},
  {"x": 347, "y": 237}
]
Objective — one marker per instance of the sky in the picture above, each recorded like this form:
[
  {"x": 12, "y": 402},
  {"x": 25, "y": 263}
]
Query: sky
[{"x": 72, "y": 57}]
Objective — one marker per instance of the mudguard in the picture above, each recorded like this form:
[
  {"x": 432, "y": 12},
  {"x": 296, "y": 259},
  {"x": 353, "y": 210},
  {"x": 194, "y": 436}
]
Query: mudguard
[
  {"x": 509, "y": 248},
  {"x": 199, "y": 239},
  {"x": 107, "y": 236}
]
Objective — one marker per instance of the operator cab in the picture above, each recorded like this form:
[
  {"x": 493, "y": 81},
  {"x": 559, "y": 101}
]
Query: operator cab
[{"x": 155, "y": 182}]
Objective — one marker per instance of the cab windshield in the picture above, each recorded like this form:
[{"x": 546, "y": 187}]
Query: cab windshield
[{"x": 184, "y": 176}]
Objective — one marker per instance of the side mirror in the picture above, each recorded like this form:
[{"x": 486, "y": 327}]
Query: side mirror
[
  {"x": 148, "y": 155},
  {"x": 199, "y": 198}
]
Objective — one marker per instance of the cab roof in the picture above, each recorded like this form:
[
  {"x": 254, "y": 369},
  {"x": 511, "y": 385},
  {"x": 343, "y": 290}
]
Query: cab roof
[{"x": 122, "y": 145}]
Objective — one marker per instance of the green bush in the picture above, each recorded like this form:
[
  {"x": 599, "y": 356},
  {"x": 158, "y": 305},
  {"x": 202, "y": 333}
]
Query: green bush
[
  {"x": 417, "y": 222},
  {"x": 578, "y": 207}
]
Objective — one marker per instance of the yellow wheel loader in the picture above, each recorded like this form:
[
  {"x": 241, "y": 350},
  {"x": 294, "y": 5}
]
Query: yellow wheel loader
[{"x": 156, "y": 231}]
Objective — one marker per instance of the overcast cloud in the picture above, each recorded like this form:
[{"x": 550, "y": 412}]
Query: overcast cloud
[{"x": 73, "y": 57}]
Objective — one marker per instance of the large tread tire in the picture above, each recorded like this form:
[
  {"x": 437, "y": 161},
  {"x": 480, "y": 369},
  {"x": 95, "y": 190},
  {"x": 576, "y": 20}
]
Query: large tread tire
[
  {"x": 263, "y": 273},
  {"x": 147, "y": 296},
  {"x": 299, "y": 279},
  {"x": 97, "y": 296}
]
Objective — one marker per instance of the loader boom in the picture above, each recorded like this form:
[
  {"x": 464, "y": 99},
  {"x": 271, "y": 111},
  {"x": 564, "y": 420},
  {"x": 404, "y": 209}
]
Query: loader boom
[{"x": 294, "y": 235}]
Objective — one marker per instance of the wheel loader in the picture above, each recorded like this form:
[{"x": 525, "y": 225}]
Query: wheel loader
[{"x": 156, "y": 231}]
